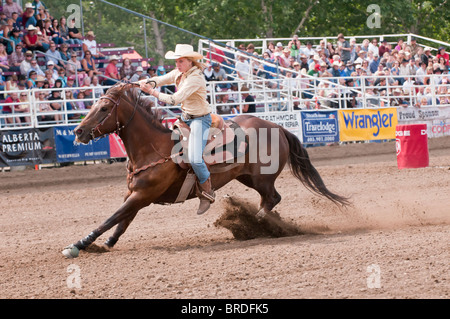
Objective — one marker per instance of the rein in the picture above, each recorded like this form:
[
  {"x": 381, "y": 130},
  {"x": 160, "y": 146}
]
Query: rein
[
  {"x": 164, "y": 159},
  {"x": 115, "y": 107}
]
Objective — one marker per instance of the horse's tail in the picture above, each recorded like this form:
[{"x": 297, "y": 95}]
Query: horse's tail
[{"x": 302, "y": 168}]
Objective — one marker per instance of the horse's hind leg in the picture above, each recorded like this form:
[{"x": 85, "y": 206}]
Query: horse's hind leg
[{"x": 266, "y": 189}]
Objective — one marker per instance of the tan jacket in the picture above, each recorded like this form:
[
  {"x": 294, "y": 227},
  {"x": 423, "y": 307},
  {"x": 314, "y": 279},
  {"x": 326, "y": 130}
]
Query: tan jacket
[{"x": 191, "y": 90}]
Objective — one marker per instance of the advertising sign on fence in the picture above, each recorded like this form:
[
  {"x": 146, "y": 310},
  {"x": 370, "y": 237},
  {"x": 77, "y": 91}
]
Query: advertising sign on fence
[
  {"x": 290, "y": 121},
  {"x": 27, "y": 147},
  {"x": 319, "y": 127},
  {"x": 367, "y": 124},
  {"x": 436, "y": 118},
  {"x": 68, "y": 150}
]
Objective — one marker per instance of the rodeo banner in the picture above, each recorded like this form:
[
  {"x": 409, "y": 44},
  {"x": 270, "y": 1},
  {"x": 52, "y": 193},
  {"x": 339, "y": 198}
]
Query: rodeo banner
[
  {"x": 68, "y": 150},
  {"x": 319, "y": 127},
  {"x": 27, "y": 147},
  {"x": 367, "y": 124}
]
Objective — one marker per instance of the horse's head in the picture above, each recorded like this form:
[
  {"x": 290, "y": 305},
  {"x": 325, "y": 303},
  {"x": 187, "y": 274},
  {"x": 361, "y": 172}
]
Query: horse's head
[{"x": 104, "y": 117}]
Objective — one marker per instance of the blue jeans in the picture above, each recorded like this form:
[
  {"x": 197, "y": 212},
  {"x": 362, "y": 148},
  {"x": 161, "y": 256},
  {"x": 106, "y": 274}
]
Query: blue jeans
[{"x": 197, "y": 142}]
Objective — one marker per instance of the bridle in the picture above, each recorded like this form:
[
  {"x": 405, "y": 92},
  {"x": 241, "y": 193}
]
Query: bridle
[
  {"x": 115, "y": 107},
  {"x": 164, "y": 159}
]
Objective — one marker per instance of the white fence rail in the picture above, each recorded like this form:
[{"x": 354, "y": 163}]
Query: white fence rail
[{"x": 228, "y": 97}]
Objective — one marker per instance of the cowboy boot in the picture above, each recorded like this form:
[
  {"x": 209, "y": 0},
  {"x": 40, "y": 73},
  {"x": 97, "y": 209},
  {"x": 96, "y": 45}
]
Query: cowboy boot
[{"x": 206, "y": 195}]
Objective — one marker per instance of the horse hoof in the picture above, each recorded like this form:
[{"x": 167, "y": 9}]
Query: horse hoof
[
  {"x": 71, "y": 252},
  {"x": 261, "y": 214}
]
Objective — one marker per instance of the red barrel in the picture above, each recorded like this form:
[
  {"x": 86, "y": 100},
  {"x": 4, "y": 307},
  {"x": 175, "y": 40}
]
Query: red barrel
[{"x": 412, "y": 146}]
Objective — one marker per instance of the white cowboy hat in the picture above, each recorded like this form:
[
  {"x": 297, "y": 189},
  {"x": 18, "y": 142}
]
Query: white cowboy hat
[
  {"x": 114, "y": 57},
  {"x": 31, "y": 27},
  {"x": 183, "y": 51}
]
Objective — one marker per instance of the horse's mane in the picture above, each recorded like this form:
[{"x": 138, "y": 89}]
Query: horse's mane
[{"x": 145, "y": 107}]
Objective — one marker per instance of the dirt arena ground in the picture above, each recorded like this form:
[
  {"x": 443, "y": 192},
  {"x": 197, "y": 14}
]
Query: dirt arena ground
[{"x": 392, "y": 243}]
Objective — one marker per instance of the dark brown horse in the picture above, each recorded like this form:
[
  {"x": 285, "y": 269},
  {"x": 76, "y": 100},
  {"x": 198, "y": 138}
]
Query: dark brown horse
[{"x": 154, "y": 178}]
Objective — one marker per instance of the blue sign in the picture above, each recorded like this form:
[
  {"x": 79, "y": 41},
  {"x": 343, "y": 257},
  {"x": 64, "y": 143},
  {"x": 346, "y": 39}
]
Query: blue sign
[
  {"x": 68, "y": 150},
  {"x": 319, "y": 126}
]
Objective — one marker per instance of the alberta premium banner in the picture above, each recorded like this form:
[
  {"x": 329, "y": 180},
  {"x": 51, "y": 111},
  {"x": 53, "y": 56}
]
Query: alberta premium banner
[{"x": 27, "y": 147}]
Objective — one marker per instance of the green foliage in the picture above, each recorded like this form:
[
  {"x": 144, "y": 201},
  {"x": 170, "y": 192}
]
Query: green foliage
[{"x": 245, "y": 19}]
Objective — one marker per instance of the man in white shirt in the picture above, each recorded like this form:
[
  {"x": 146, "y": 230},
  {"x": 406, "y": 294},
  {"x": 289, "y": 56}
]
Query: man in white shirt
[
  {"x": 373, "y": 46},
  {"x": 242, "y": 68},
  {"x": 89, "y": 43}
]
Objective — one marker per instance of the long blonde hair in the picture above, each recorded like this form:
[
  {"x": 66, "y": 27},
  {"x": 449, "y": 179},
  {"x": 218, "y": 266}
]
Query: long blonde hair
[{"x": 197, "y": 63}]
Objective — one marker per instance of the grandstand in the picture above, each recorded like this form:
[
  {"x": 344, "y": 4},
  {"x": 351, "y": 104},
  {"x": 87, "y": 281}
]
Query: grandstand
[{"x": 407, "y": 72}]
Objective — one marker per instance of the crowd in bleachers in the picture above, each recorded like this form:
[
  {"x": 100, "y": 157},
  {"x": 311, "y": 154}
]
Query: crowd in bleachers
[
  {"x": 38, "y": 50},
  {"x": 400, "y": 71}
]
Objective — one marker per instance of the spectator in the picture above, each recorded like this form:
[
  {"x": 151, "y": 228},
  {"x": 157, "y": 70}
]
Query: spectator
[
  {"x": 399, "y": 45},
  {"x": 127, "y": 70},
  {"x": 24, "y": 108},
  {"x": 56, "y": 106},
  {"x": 85, "y": 89},
  {"x": 270, "y": 49},
  {"x": 414, "y": 47},
  {"x": 37, "y": 4},
  {"x": 139, "y": 71},
  {"x": 285, "y": 58},
  {"x": 62, "y": 77},
  {"x": 35, "y": 67},
  {"x": 71, "y": 106},
  {"x": 70, "y": 82},
  {"x": 426, "y": 57},
  {"x": 97, "y": 90},
  {"x": 50, "y": 33},
  {"x": 28, "y": 16},
  {"x": 111, "y": 71},
  {"x": 406, "y": 70},
  {"x": 208, "y": 72},
  {"x": 10, "y": 7},
  {"x": 49, "y": 79},
  {"x": 25, "y": 65},
  {"x": 15, "y": 37},
  {"x": 344, "y": 49},
  {"x": 308, "y": 50},
  {"x": 31, "y": 82},
  {"x": 64, "y": 31},
  {"x": 12, "y": 83},
  {"x": 64, "y": 53},
  {"x": 242, "y": 68},
  {"x": 54, "y": 55},
  {"x": 294, "y": 47},
  {"x": 12, "y": 108},
  {"x": 31, "y": 40},
  {"x": 44, "y": 107},
  {"x": 373, "y": 47},
  {"x": 74, "y": 68},
  {"x": 249, "y": 102},
  {"x": 88, "y": 64},
  {"x": 374, "y": 64},
  {"x": 80, "y": 104},
  {"x": 220, "y": 75},
  {"x": 75, "y": 35},
  {"x": 442, "y": 54},
  {"x": 90, "y": 44},
  {"x": 335, "y": 71},
  {"x": 383, "y": 48},
  {"x": 4, "y": 63}
]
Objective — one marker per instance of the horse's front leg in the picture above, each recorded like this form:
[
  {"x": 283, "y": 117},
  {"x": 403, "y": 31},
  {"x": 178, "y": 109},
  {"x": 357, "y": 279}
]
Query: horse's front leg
[{"x": 123, "y": 216}]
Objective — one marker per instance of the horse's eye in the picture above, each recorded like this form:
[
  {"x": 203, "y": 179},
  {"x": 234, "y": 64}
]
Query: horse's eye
[{"x": 104, "y": 109}]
